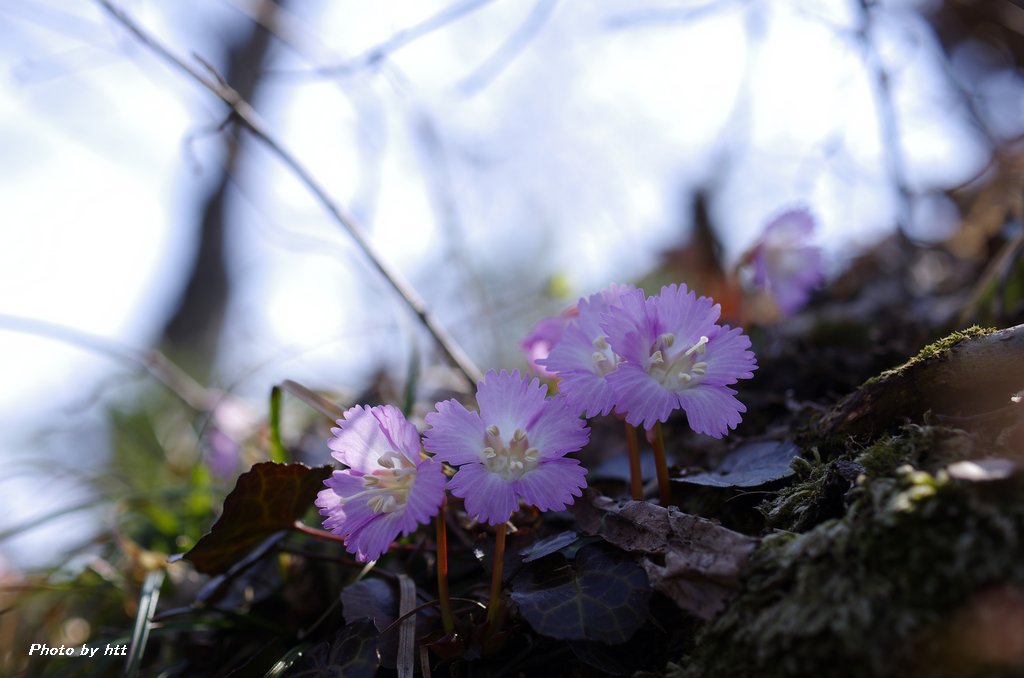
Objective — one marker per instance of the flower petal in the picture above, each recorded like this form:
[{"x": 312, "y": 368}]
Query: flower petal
[
  {"x": 712, "y": 410},
  {"x": 640, "y": 396},
  {"x": 587, "y": 393},
  {"x": 425, "y": 496},
  {"x": 343, "y": 517},
  {"x": 728, "y": 358},
  {"x": 456, "y": 435},
  {"x": 509, "y": 400},
  {"x": 374, "y": 539},
  {"x": 489, "y": 497},
  {"x": 557, "y": 430},
  {"x": 401, "y": 435},
  {"x": 630, "y": 327},
  {"x": 359, "y": 442},
  {"x": 684, "y": 315},
  {"x": 552, "y": 485}
]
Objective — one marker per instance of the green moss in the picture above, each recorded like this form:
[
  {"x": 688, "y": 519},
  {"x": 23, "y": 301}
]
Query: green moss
[
  {"x": 860, "y": 594},
  {"x": 819, "y": 491},
  {"x": 927, "y": 447},
  {"x": 936, "y": 349},
  {"x": 796, "y": 507}
]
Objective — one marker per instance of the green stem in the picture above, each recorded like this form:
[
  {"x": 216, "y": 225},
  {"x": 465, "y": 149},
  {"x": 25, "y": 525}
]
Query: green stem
[
  {"x": 636, "y": 478},
  {"x": 661, "y": 465},
  {"x": 447, "y": 620},
  {"x": 278, "y": 452},
  {"x": 494, "y": 603}
]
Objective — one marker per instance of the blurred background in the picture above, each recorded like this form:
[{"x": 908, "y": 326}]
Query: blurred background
[{"x": 507, "y": 156}]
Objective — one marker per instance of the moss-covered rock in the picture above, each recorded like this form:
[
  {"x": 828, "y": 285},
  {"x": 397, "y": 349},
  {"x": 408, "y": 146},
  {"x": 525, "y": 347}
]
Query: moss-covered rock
[{"x": 873, "y": 593}]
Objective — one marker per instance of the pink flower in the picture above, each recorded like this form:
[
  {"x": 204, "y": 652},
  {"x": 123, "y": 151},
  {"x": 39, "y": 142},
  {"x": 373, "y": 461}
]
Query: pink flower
[
  {"x": 389, "y": 487},
  {"x": 544, "y": 336},
  {"x": 583, "y": 359},
  {"x": 513, "y": 448},
  {"x": 674, "y": 355},
  {"x": 784, "y": 264}
]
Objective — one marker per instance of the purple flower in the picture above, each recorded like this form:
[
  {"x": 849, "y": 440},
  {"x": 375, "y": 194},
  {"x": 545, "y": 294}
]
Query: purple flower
[
  {"x": 389, "y": 487},
  {"x": 513, "y": 448},
  {"x": 784, "y": 264},
  {"x": 544, "y": 336},
  {"x": 674, "y": 355},
  {"x": 583, "y": 358}
]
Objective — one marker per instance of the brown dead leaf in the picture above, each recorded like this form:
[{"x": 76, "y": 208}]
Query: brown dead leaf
[{"x": 694, "y": 561}]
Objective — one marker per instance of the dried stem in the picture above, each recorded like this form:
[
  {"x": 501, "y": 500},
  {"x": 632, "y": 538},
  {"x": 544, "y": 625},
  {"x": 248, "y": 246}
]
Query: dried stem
[{"x": 242, "y": 113}]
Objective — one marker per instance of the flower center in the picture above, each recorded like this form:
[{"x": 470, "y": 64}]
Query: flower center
[
  {"x": 509, "y": 460},
  {"x": 387, "y": 489},
  {"x": 677, "y": 370},
  {"x": 604, "y": 358}
]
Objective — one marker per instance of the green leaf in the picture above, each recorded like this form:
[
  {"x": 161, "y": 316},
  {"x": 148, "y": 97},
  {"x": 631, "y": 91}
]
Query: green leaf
[
  {"x": 602, "y": 595},
  {"x": 143, "y": 621},
  {"x": 267, "y": 498}
]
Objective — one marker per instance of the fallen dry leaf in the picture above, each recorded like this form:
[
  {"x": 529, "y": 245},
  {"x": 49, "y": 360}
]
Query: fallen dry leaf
[{"x": 694, "y": 561}]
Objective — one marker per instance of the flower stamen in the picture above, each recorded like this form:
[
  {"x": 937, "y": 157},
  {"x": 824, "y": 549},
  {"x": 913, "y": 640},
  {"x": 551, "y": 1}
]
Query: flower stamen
[{"x": 699, "y": 348}]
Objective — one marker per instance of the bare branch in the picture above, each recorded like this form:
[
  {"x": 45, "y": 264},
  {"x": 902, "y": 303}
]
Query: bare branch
[
  {"x": 155, "y": 363},
  {"x": 247, "y": 117},
  {"x": 375, "y": 55},
  {"x": 510, "y": 49}
]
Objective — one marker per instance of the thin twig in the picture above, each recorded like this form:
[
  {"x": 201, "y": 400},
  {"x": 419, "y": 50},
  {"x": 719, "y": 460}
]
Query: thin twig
[
  {"x": 245, "y": 115},
  {"x": 187, "y": 389},
  {"x": 375, "y": 55},
  {"x": 322, "y": 405},
  {"x": 492, "y": 67}
]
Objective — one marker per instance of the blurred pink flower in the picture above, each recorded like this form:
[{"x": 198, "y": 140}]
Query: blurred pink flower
[
  {"x": 784, "y": 263},
  {"x": 544, "y": 336}
]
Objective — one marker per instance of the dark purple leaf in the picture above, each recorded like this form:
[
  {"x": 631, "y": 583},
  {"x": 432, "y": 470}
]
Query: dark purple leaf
[
  {"x": 267, "y": 498},
  {"x": 601, "y": 595},
  {"x": 750, "y": 465}
]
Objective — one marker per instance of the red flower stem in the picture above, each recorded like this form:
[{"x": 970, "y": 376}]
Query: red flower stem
[
  {"x": 494, "y": 603},
  {"x": 299, "y": 526},
  {"x": 636, "y": 478},
  {"x": 661, "y": 465},
  {"x": 442, "y": 571}
]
